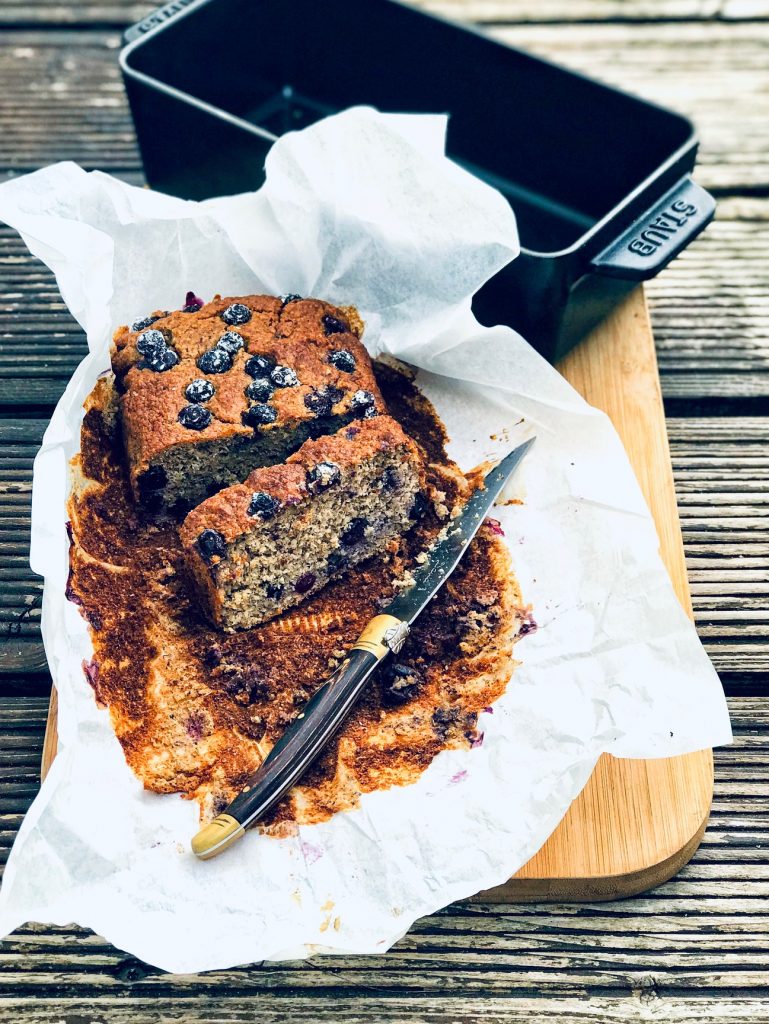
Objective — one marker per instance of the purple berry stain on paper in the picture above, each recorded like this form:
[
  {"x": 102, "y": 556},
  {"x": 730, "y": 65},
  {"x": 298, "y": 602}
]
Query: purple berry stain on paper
[
  {"x": 496, "y": 527},
  {"x": 91, "y": 670},
  {"x": 459, "y": 776},
  {"x": 69, "y": 593},
  {"x": 528, "y": 625},
  {"x": 310, "y": 852}
]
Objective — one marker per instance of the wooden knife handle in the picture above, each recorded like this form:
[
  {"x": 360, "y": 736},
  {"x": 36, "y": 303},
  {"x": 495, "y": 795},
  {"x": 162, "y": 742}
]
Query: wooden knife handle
[{"x": 305, "y": 737}]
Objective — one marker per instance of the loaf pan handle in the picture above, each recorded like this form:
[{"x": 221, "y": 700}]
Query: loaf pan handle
[
  {"x": 656, "y": 237},
  {"x": 154, "y": 20}
]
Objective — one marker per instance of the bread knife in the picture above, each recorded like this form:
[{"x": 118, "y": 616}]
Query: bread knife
[{"x": 385, "y": 634}]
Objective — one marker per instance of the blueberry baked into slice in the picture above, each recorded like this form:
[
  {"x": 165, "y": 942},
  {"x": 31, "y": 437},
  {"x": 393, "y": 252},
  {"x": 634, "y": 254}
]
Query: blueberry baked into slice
[
  {"x": 260, "y": 547},
  {"x": 217, "y": 389}
]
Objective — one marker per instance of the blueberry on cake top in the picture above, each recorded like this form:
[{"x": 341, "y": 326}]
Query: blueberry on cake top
[
  {"x": 215, "y": 390},
  {"x": 257, "y": 548}
]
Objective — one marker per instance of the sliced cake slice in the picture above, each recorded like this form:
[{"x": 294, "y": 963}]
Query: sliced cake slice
[
  {"x": 210, "y": 392},
  {"x": 260, "y": 547}
]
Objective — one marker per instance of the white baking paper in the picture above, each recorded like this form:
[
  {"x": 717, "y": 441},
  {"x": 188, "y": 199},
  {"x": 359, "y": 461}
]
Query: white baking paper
[{"x": 361, "y": 208}]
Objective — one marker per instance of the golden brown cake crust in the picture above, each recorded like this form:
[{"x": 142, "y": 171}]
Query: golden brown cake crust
[{"x": 301, "y": 335}]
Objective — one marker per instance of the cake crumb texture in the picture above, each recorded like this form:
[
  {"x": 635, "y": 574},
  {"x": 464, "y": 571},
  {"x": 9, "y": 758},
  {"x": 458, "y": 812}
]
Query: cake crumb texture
[{"x": 257, "y": 548}]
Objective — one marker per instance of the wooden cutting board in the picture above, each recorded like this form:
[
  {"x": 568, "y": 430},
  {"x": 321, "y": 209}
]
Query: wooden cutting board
[{"x": 636, "y": 822}]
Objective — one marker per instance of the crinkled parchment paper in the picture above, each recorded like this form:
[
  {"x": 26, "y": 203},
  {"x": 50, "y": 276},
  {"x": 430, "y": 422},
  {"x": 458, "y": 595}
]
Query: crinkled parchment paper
[{"x": 361, "y": 208}]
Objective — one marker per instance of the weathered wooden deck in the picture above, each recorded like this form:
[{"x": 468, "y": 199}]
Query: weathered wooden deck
[{"x": 698, "y": 947}]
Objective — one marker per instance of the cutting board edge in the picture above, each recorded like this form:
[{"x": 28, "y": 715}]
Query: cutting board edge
[{"x": 596, "y": 888}]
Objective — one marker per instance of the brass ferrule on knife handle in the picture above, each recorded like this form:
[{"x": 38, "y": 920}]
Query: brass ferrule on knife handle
[
  {"x": 306, "y": 737},
  {"x": 383, "y": 635}
]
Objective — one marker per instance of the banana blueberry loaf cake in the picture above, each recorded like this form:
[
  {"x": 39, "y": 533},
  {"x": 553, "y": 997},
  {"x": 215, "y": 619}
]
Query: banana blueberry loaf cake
[
  {"x": 217, "y": 389},
  {"x": 260, "y": 547}
]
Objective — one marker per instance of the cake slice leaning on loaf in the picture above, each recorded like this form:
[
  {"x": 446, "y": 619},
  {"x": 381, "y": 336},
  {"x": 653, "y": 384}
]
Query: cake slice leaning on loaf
[{"x": 260, "y": 547}]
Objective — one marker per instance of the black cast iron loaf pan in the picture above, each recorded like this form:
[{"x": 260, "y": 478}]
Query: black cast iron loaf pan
[{"x": 599, "y": 180}]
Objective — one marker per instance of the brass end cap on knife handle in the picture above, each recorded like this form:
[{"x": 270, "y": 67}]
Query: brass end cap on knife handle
[
  {"x": 383, "y": 635},
  {"x": 222, "y": 832}
]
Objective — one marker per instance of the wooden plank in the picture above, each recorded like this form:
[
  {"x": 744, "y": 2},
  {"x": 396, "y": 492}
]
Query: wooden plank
[
  {"x": 63, "y": 99},
  {"x": 348, "y": 1009},
  {"x": 566, "y": 11},
  {"x": 704, "y": 933},
  {"x": 500, "y": 11},
  {"x": 698, "y": 69},
  {"x": 726, "y": 540},
  {"x": 710, "y": 308},
  {"x": 21, "y": 656},
  {"x": 114, "y": 12},
  {"x": 86, "y": 12},
  {"x": 599, "y": 10},
  {"x": 20, "y": 590}
]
